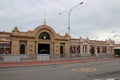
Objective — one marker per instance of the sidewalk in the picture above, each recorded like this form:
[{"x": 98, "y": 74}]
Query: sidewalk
[{"x": 51, "y": 62}]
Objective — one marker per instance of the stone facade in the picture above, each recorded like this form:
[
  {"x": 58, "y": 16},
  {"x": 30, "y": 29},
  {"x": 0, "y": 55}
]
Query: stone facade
[
  {"x": 44, "y": 40},
  {"x": 5, "y": 42}
]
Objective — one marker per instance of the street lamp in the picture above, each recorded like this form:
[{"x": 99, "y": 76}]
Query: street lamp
[{"x": 69, "y": 12}]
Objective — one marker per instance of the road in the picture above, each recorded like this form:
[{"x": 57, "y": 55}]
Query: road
[{"x": 96, "y": 70}]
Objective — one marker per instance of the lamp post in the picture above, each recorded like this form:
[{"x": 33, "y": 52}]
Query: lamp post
[{"x": 69, "y": 13}]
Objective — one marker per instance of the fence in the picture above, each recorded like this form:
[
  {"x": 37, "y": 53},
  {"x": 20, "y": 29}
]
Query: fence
[
  {"x": 11, "y": 58},
  {"x": 23, "y": 57},
  {"x": 45, "y": 57}
]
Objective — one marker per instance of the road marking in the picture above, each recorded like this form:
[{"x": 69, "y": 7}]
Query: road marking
[
  {"x": 105, "y": 79},
  {"x": 66, "y": 66},
  {"x": 110, "y": 79},
  {"x": 84, "y": 69},
  {"x": 33, "y": 69}
]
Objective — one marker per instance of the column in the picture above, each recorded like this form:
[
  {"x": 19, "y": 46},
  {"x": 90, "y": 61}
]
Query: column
[
  {"x": 81, "y": 49},
  {"x": 84, "y": 49},
  {"x": 88, "y": 49},
  {"x": 113, "y": 50},
  {"x": 96, "y": 54},
  {"x": 36, "y": 47},
  {"x": 107, "y": 49},
  {"x": 95, "y": 49},
  {"x": 51, "y": 48},
  {"x": 101, "y": 50}
]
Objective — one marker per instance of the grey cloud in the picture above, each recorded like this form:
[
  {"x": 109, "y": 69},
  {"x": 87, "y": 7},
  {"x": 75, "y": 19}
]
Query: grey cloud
[
  {"x": 116, "y": 36},
  {"x": 89, "y": 19},
  {"x": 113, "y": 31}
]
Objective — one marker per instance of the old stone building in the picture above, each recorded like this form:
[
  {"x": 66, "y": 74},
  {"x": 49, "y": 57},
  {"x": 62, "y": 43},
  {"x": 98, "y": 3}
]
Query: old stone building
[
  {"x": 44, "y": 40},
  {"x": 5, "y": 43}
]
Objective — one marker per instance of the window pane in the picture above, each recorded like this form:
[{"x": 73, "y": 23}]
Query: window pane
[
  {"x": 44, "y": 36},
  {"x": 1, "y": 50}
]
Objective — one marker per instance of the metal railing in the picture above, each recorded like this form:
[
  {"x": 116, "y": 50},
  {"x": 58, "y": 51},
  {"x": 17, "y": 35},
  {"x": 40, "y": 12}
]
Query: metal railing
[
  {"x": 23, "y": 57},
  {"x": 46, "y": 57}
]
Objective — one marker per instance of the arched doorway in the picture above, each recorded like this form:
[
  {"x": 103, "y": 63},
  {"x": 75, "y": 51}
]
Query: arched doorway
[
  {"x": 43, "y": 49},
  {"x": 44, "y": 46},
  {"x": 22, "y": 49},
  {"x": 61, "y": 51}
]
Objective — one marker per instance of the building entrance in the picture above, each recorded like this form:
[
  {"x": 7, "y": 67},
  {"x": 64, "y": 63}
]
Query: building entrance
[
  {"x": 43, "y": 48},
  {"x": 61, "y": 51}
]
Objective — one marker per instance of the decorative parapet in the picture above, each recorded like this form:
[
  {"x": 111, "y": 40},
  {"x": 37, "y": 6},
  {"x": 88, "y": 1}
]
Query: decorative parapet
[
  {"x": 15, "y": 29},
  {"x": 117, "y": 46}
]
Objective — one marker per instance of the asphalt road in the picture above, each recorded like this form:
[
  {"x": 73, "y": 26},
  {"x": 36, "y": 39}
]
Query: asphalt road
[{"x": 96, "y": 70}]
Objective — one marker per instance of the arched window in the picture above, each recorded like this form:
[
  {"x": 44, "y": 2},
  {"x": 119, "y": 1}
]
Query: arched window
[
  {"x": 7, "y": 51},
  {"x": 22, "y": 49},
  {"x": 1, "y": 50},
  {"x": 44, "y": 36}
]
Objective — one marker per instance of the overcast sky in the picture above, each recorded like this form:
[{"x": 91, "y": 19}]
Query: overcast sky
[{"x": 96, "y": 19}]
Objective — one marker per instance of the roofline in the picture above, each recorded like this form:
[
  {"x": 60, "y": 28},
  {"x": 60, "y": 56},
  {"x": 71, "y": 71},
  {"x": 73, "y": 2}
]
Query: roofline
[{"x": 7, "y": 33}]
